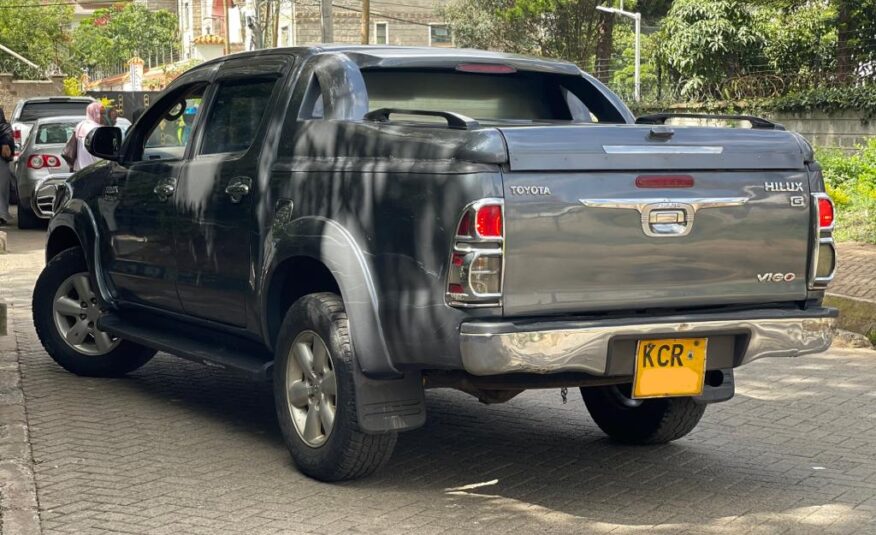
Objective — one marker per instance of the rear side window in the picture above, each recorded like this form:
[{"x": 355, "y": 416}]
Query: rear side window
[
  {"x": 519, "y": 96},
  {"x": 54, "y": 133},
  {"x": 235, "y": 115},
  {"x": 37, "y": 110}
]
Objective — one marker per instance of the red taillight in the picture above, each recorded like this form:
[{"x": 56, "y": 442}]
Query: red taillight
[
  {"x": 35, "y": 162},
  {"x": 664, "y": 181},
  {"x": 464, "y": 225},
  {"x": 488, "y": 221},
  {"x": 455, "y": 289},
  {"x": 486, "y": 68},
  {"x": 825, "y": 212},
  {"x": 38, "y": 161},
  {"x": 16, "y": 134}
]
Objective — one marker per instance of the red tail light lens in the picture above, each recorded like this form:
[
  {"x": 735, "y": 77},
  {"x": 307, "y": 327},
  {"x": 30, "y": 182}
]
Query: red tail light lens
[
  {"x": 486, "y": 68},
  {"x": 464, "y": 225},
  {"x": 16, "y": 134},
  {"x": 825, "y": 212},
  {"x": 488, "y": 221},
  {"x": 664, "y": 181},
  {"x": 35, "y": 162},
  {"x": 38, "y": 161}
]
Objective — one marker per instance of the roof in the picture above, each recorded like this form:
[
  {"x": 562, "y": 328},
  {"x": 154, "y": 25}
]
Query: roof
[
  {"x": 410, "y": 56},
  {"x": 59, "y": 119}
]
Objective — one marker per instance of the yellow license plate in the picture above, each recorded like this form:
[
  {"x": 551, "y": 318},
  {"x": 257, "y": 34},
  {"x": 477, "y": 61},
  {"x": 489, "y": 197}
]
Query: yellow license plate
[{"x": 670, "y": 368}]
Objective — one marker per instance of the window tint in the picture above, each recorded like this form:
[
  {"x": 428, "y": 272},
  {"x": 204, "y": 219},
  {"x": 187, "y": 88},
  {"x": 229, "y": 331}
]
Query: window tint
[
  {"x": 519, "y": 96},
  {"x": 37, "y": 110},
  {"x": 59, "y": 133},
  {"x": 235, "y": 115}
]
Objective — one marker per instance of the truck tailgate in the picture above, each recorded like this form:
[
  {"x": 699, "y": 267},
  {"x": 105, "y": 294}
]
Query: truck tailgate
[{"x": 608, "y": 218}]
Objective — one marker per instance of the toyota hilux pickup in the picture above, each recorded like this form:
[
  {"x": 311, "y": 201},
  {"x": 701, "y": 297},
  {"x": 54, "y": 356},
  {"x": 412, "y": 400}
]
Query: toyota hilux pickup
[{"x": 360, "y": 224}]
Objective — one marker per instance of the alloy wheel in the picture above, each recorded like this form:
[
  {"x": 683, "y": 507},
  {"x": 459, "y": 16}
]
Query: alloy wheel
[
  {"x": 75, "y": 311},
  {"x": 311, "y": 388}
]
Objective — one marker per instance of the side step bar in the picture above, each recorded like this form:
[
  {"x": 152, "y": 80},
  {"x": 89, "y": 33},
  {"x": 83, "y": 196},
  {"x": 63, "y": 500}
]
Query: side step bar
[{"x": 213, "y": 351}]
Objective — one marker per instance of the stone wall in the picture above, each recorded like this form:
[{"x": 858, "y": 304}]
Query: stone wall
[
  {"x": 11, "y": 91},
  {"x": 842, "y": 130}
]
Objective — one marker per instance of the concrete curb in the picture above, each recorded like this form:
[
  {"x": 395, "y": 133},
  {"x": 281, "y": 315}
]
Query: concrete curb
[
  {"x": 19, "y": 508},
  {"x": 856, "y": 315}
]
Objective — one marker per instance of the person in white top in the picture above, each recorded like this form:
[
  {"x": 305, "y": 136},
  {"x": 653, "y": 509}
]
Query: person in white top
[{"x": 93, "y": 119}]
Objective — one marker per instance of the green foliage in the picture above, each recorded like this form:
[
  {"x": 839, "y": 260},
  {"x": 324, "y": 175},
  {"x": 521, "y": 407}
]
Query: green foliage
[
  {"x": 38, "y": 33},
  {"x": 807, "y": 45},
  {"x": 705, "y": 41},
  {"x": 860, "y": 98},
  {"x": 565, "y": 29},
  {"x": 851, "y": 182},
  {"x": 72, "y": 87},
  {"x": 114, "y": 35}
]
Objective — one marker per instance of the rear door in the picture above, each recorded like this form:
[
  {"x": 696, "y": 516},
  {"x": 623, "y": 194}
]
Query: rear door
[
  {"x": 613, "y": 218},
  {"x": 217, "y": 189}
]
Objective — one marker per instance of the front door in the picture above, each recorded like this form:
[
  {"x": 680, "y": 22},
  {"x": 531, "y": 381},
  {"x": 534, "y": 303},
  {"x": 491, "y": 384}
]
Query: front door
[
  {"x": 140, "y": 208},
  {"x": 216, "y": 194}
]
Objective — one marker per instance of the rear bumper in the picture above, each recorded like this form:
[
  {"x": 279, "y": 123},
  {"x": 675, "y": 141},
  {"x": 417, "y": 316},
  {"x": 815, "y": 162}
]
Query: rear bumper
[{"x": 541, "y": 346}]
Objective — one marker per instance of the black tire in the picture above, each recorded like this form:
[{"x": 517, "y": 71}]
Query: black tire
[
  {"x": 27, "y": 219},
  {"x": 346, "y": 452},
  {"x": 648, "y": 421},
  {"x": 125, "y": 357}
]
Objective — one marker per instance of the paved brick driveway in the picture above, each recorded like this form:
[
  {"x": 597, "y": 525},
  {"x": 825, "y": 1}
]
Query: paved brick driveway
[{"x": 178, "y": 448}]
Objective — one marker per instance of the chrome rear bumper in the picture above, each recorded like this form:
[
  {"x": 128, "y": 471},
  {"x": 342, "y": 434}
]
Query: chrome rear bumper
[{"x": 533, "y": 346}]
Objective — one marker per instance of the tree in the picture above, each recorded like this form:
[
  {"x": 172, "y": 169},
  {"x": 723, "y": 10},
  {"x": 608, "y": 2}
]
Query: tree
[
  {"x": 704, "y": 42},
  {"x": 564, "y": 29},
  {"x": 112, "y": 36},
  {"x": 37, "y": 32}
]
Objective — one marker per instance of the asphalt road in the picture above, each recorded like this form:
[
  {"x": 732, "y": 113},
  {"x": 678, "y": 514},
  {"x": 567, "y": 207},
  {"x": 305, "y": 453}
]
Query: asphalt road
[{"x": 179, "y": 448}]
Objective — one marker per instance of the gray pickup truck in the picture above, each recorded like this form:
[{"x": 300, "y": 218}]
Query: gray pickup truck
[{"x": 365, "y": 223}]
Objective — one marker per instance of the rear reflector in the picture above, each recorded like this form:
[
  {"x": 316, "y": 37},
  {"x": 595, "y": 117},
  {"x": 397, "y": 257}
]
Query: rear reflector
[
  {"x": 16, "y": 134},
  {"x": 664, "y": 181},
  {"x": 825, "y": 212},
  {"x": 488, "y": 221},
  {"x": 488, "y": 68}
]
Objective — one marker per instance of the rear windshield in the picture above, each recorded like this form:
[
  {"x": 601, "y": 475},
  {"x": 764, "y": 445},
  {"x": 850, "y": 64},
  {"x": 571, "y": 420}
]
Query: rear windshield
[
  {"x": 37, "y": 110},
  {"x": 48, "y": 134},
  {"x": 520, "y": 96}
]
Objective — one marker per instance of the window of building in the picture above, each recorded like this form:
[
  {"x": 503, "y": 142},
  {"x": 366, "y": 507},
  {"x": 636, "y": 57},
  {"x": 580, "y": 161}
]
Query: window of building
[
  {"x": 381, "y": 33},
  {"x": 439, "y": 35}
]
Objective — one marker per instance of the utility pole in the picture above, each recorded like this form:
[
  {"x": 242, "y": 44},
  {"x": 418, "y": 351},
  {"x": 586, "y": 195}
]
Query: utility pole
[
  {"x": 637, "y": 18},
  {"x": 227, "y": 34},
  {"x": 325, "y": 19},
  {"x": 366, "y": 22}
]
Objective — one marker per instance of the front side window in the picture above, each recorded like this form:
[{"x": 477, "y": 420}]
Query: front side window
[
  {"x": 235, "y": 115},
  {"x": 439, "y": 35},
  {"x": 171, "y": 132}
]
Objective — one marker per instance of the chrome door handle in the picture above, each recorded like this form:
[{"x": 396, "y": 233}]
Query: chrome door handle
[
  {"x": 238, "y": 188},
  {"x": 164, "y": 189}
]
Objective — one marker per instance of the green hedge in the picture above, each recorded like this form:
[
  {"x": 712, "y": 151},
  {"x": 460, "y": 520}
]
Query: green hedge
[{"x": 851, "y": 182}]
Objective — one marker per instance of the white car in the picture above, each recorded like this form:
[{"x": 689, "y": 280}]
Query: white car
[{"x": 27, "y": 111}]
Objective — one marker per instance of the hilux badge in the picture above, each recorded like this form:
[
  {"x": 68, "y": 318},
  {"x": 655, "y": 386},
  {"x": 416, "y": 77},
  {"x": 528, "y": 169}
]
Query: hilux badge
[{"x": 783, "y": 186}]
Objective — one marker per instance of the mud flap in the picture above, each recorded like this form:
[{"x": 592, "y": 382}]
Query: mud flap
[{"x": 390, "y": 405}]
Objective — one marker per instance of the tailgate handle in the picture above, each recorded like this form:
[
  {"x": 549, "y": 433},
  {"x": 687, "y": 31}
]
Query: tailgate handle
[
  {"x": 666, "y": 218},
  {"x": 661, "y": 132}
]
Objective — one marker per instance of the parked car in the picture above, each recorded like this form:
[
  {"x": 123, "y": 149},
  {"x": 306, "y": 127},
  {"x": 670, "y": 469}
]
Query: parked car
[
  {"x": 39, "y": 160},
  {"x": 27, "y": 111},
  {"x": 363, "y": 223}
]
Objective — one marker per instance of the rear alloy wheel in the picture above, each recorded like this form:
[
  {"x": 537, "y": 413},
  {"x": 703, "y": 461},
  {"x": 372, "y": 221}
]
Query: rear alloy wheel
[
  {"x": 65, "y": 315},
  {"x": 641, "y": 421},
  {"x": 315, "y": 395}
]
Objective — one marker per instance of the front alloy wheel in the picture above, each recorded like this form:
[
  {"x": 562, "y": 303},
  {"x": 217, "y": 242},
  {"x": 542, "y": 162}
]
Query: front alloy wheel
[{"x": 75, "y": 310}]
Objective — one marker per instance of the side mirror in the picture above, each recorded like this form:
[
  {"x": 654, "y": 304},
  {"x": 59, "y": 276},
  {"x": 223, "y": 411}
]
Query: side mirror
[{"x": 104, "y": 142}]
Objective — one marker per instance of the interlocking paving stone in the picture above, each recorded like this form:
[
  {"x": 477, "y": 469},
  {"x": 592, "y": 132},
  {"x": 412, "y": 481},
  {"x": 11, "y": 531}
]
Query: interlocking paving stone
[
  {"x": 856, "y": 271},
  {"x": 180, "y": 448}
]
